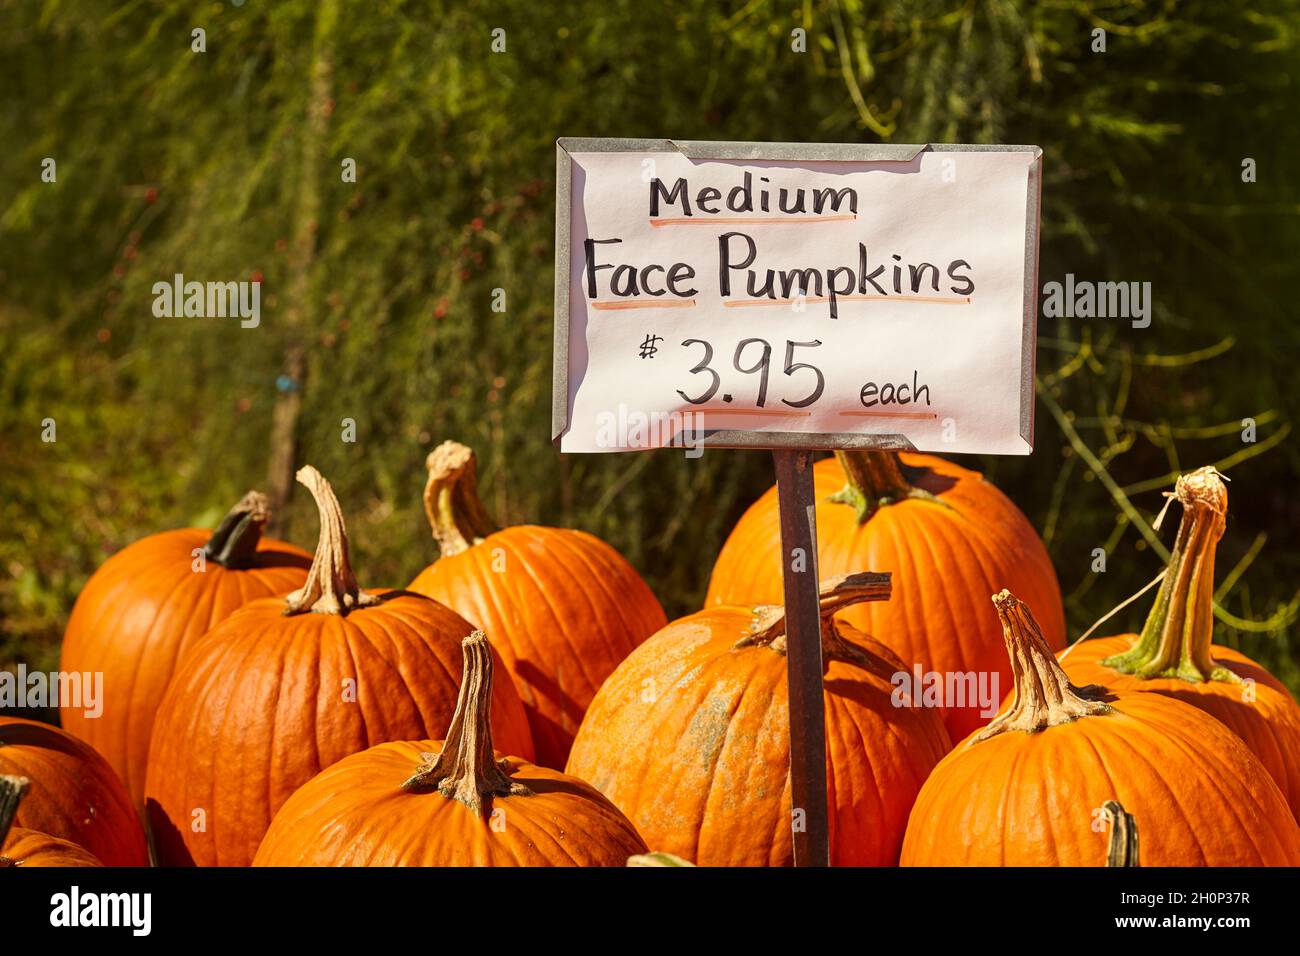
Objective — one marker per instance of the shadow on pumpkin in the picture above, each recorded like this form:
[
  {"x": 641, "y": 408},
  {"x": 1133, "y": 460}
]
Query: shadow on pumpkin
[
  {"x": 38, "y": 734},
  {"x": 544, "y": 685},
  {"x": 275, "y": 558},
  {"x": 167, "y": 841},
  {"x": 542, "y": 784},
  {"x": 927, "y": 479}
]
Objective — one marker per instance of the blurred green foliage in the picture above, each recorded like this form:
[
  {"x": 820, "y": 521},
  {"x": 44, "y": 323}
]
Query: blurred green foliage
[{"x": 226, "y": 163}]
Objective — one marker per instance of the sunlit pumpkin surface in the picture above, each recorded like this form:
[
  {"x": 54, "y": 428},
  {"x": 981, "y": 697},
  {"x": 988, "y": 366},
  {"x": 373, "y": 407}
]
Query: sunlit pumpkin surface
[
  {"x": 689, "y": 737},
  {"x": 136, "y": 618},
  {"x": 947, "y": 557},
  {"x": 356, "y": 814}
]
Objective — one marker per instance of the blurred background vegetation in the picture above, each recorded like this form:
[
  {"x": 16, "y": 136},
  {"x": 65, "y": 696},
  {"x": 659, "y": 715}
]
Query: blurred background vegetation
[{"x": 376, "y": 295}]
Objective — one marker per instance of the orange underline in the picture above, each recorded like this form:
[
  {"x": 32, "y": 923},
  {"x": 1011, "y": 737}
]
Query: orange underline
[
  {"x": 776, "y": 220},
  {"x": 866, "y": 414},
  {"x": 723, "y": 410},
  {"x": 653, "y": 304},
  {"x": 940, "y": 300}
]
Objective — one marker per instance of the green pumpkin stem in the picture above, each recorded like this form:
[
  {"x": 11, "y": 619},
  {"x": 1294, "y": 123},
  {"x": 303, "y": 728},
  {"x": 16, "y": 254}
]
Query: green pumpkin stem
[
  {"x": 331, "y": 586},
  {"x": 234, "y": 542},
  {"x": 12, "y": 790},
  {"x": 875, "y": 479},
  {"x": 1044, "y": 696},
  {"x": 466, "y": 770},
  {"x": 1123, "y": 848},
  {"x": 456, "y": 515},
  {"x": 1175, "y": 640}
]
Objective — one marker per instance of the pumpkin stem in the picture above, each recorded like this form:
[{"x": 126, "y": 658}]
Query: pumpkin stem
[
  {"x": 331, "y": 586},
  {"x": 1123, "y": 849},
  {"x": 657, "y": 859},
  {"x": 467, "y": 769},
  {"x": 12, "y": 790},
  {"x": 234, "y": 543},
  {"x": 456, "y": 515},
  {"x": 768, "y": 626},
  {"x": 1175, "y": 640},
  {"x": 875, "y": 479},
  {"x": 1044, "y": 696}
]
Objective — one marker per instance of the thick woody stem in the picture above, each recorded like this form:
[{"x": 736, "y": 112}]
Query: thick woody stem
[
  {"x": 331, "y": 586},
  {"x": 834, "y": 596},
  {"x": 12, "y": 790},
  {"x": 467, "y": 770},
  {"x": 1175, "y": 640},
  {"x": 1123, "y": 849},
  {"x": 875, "y": 479},
  {"x": 768, "y": 627},
  {"x": 234, "y": 542},
  {"x": 1044, "y": 696},
  {"x": 456, "y": 515}
]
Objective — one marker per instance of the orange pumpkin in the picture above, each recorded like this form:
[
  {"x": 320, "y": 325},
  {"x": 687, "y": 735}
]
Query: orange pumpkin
[
  {"x": 1174, "y": 656},
  {"x": 287, "y": 686},
  {"x": 950, "y": 537},
  {"x": 74, "y": 795},
  {"x": 22, "y": 847},
  {"x": 448, "y": 803},
  {"x": 561, "y": 607},
  {"x": 1030, "y": 789},
  {"x": 147, "y": 605},
  {"x": 690, "y": 737}
]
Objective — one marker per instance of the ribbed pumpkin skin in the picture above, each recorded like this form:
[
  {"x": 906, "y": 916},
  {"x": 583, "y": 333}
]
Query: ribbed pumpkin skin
[
  {"x": 563, "y": 614},
  {"x": 31, "y": 848},
  {"x": 74, "y": 794},
  {"x": 138, "y": 615},
  {"x": 1199, "y": 796},
  {"x": 1269, "y": 725},
  {"x": 356, "y": 814},
  {"x": 946, "y": 562},
  {"x": 257, "y": 710},
  {"x": 689, "y": 737}
]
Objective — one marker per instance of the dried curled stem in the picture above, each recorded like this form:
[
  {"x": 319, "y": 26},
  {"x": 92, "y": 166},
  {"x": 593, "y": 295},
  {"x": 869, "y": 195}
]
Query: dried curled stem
[
  {"x": 456, "y": 515},
  {"x": 768, "y": 628},
  {"x": 331, "y": 586},
  {"x": 1044, "y": 696},
  {"x": 466, "y": 769}
]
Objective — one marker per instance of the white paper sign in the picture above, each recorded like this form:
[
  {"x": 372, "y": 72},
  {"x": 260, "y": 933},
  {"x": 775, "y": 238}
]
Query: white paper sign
[{"x": 771, "y": 302}]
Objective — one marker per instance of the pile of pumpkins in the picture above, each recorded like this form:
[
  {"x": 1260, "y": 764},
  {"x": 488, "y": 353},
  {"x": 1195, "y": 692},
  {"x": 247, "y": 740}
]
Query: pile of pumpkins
[{"x": 524, "y": 702}]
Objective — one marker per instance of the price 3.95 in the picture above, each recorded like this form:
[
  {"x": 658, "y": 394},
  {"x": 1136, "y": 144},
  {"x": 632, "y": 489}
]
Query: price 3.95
[{"x": 754, "y": 357}]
